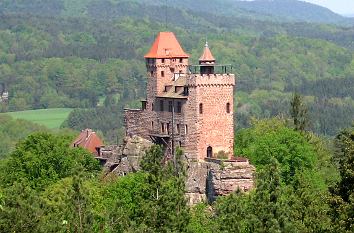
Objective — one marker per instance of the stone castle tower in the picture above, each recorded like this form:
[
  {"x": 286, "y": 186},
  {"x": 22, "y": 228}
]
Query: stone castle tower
[{"x": 187, "y": 106}]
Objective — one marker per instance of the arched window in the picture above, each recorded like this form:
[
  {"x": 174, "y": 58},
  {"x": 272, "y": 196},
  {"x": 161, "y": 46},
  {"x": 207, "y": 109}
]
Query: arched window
[
  {"x": 200, "y": 108},
  {"x": 209, "y": 152},
  {"x": 228, "y": 108}
]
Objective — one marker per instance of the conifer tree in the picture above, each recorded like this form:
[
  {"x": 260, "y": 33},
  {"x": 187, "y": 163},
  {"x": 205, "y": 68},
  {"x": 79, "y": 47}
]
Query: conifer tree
[
  {"x": 342, "y": 194},
  {"x": 298, "y": 112}
]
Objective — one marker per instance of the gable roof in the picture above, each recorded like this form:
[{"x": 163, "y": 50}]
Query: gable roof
[
  {"x": 88, "y": 140},
  {"x": 166, "y": 45}
]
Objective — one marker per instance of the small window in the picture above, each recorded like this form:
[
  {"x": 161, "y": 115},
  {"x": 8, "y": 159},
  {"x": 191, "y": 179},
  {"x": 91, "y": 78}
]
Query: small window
[
  {"x": 162, "y": 60},
  {"x": 228, "y": 108},
  {"x": 185, "y": 91},
  {"x": 162, "y": 128},
  {"x": 200, "y": 108},
  {"x": 152, "y": 107},
  {"x": 152, "y": 125},
  {"x": 162, "y": 73},
  {"x": 143, "y": 103},
  {"x": 161, "y": 105},
  {"x": 151, "y": 73},
  {"x": 181, "y": 60},
  {"x": 178, "y": 129},
  {"x": 168, "y": 128},
  {"x": 186, "y": 129},
  {"x": 209, "y": 152},
  {"x": 179, "y": 107},
  {"x": 170, "y": 107}
]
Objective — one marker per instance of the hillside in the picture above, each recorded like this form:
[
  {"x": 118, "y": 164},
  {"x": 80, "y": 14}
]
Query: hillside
[
  {"x": 274, "y": 10},
  {"x": 59, "y": 61}
]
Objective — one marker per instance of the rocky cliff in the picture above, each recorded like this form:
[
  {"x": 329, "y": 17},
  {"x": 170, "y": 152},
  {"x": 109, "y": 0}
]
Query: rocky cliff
[{"x": 206, "y": 180}]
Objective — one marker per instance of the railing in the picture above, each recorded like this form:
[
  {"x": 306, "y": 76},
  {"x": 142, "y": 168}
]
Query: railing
[{"x": 217, "y": 68}]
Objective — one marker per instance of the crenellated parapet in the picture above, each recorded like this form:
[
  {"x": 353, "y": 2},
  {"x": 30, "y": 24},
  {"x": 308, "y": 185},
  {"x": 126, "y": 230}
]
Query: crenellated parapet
[{"x": 211, "y": 80}]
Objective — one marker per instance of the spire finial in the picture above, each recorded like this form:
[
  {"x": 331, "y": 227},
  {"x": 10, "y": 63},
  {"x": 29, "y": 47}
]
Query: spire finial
[{"x": 206, "y": 41}]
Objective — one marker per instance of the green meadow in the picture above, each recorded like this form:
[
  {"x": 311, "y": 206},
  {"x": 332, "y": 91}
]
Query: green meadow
[{"x": 51, "y": 118}]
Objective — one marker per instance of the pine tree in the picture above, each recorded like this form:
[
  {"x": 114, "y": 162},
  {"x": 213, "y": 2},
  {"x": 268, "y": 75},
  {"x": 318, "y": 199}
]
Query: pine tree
[{"x": 298, "y": 112}]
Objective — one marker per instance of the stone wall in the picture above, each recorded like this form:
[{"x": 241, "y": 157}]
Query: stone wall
[
  {"x": 136, "y": 122},
  {"x": 214, "y": 127}
]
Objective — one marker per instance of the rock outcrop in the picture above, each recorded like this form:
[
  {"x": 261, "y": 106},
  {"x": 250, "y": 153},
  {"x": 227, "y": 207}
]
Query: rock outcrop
[
  {"x": 125, "y": 158},
  {"x": 206, "y": 180},
  {"x": 225, "y": 177}
]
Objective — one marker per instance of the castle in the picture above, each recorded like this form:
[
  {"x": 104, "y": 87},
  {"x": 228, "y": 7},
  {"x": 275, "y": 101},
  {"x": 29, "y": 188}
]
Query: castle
[{"x": 187, "y": 106}]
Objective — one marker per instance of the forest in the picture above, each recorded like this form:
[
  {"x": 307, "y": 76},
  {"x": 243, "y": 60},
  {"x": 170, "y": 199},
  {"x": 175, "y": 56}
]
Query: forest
[
  {"x": 304, "y": 183},
  {"x": 76, "y": 53},
  {"x": 88, "y": 55}
]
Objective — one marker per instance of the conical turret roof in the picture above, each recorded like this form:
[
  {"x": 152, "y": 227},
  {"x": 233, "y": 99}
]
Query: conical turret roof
[
  {"x": 166, "y": 45},
  {"x": 207, "y": 56}
]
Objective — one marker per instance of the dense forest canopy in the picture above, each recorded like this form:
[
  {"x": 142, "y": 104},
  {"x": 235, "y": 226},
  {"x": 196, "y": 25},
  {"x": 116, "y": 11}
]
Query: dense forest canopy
[
  {"x": 54, "y": 188},
  {"x": 77, "y": 53}
]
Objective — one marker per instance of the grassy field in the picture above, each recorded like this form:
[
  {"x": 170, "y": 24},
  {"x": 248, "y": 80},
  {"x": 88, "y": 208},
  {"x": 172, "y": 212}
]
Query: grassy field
[{"x": 51, "y": 118}]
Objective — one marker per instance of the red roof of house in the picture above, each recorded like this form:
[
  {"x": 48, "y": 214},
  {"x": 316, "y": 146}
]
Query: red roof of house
[
  {"x": 166, "y": 45},
  {"x": 207, "y": 55},
  {"x": 88, "y": 140}
]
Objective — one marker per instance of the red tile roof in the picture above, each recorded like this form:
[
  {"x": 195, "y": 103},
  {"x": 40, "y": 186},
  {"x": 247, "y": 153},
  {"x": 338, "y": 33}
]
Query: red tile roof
[
  {"x": 88, "y": 140},
  {"x": 207, "y": 56},
  {"x": 166, "y": 45}
]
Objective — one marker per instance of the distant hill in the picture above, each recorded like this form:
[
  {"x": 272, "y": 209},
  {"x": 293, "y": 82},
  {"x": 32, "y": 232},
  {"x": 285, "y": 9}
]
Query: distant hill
[
  {"x": 293, "y": 10},
  {"x": 274, "y": 10},
  {"x": 279, "y": 10}
]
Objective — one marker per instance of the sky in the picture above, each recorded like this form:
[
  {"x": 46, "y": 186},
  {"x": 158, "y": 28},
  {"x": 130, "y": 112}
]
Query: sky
[{"x": 344, "y": 7}]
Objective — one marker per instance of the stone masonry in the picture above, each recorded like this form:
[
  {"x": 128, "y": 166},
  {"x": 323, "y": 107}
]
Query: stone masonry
[{"x": 191, "y": 110}]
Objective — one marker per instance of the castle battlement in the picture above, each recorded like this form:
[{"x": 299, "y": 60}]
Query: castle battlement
[{"x": 211, "y": 80}]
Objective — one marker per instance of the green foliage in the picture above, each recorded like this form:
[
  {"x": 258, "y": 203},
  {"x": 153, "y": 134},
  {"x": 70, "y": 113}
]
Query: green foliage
[
  {"x": 201, "y": 219},
  {"x": 274, "y": 207},
  {"x": 43, "y": 159},
  {"x": 298, "y": 112},
  {"x": 69, "y": 206},
  {"x": 60, "y": 61},
  {"x": 11, "y": 131},
  {"x": 268, "y": 139},
  {"x": 342, "y": 194}
]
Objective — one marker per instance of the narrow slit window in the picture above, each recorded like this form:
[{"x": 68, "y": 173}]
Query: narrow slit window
[
  {"x": 162, "y": 73},
  {"x": 200, "y": 108},
  {"x": 162, "y": 128},
  {"x": 228, "y": 110}
]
